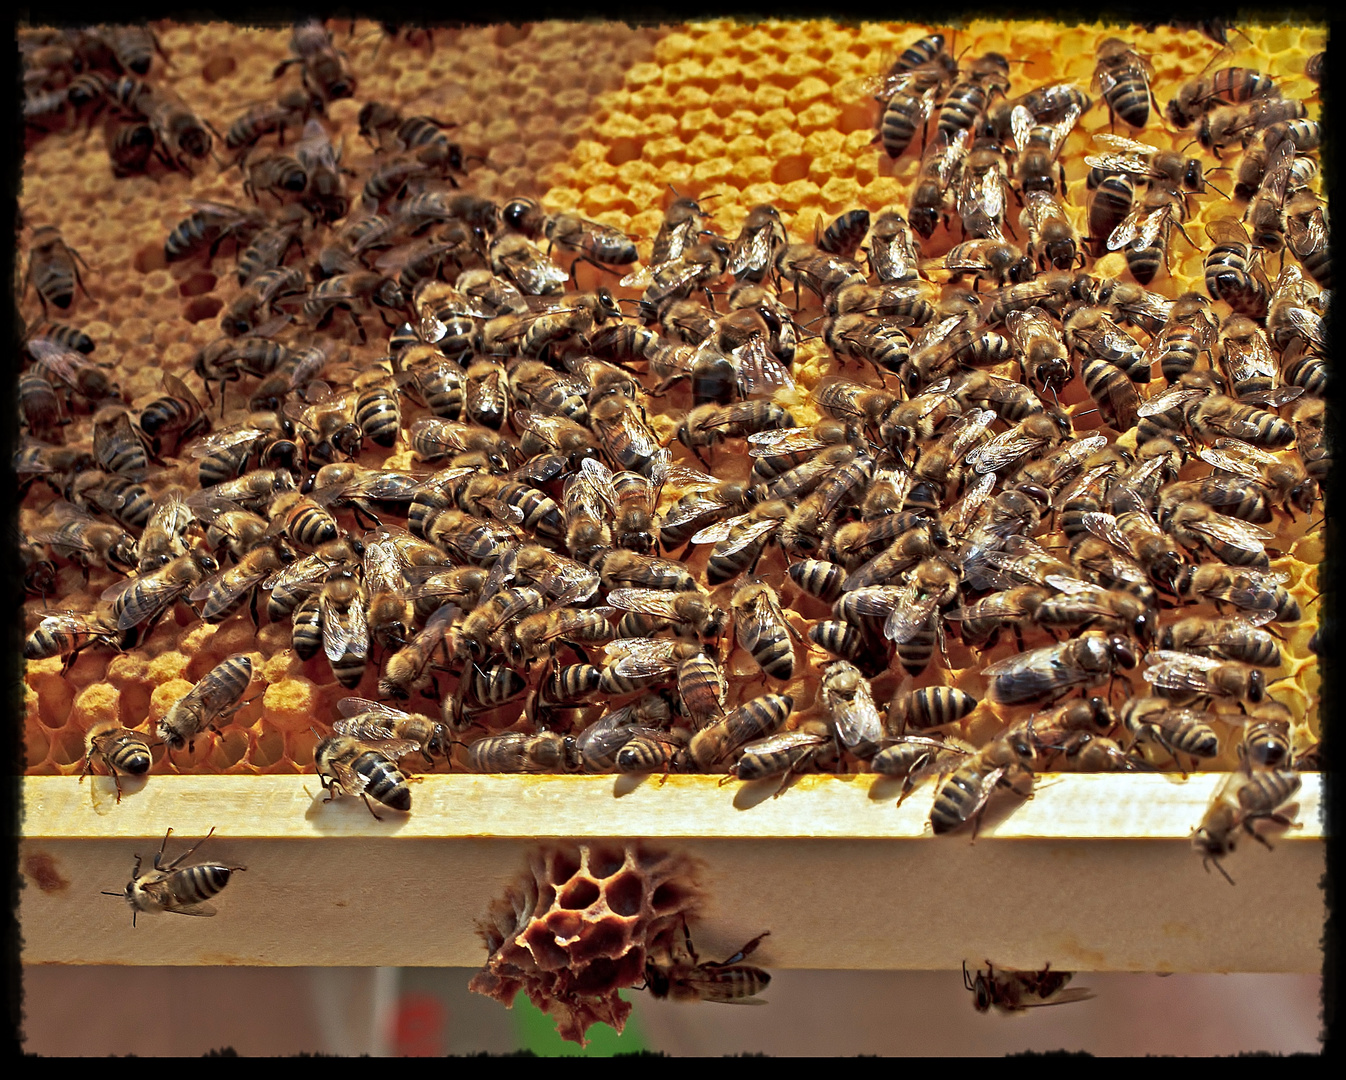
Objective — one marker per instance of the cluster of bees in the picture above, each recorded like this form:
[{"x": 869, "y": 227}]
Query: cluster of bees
[{"x": 481, "y": 503}]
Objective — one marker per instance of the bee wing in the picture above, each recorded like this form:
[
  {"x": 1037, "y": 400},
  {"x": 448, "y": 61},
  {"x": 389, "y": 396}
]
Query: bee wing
[
  {"x": 342, "y": 635},
  {"x": 1169, "y": 400},
  {"x": 1268, "y": 399},
  {"x": 1230, "y": 460},
  {"x": 364, "y": 728},
  {"x": 220, "y": 590},
  {"x": 783, "y": 441},
  {"x": 1306, "y": 233},
  {"x": 177, "y": 907},
  {"x": 1246, "y": 359},
  {"x": 745, "y": 536},
  {"x": 1003, "y": 450},
  {"x": 1120, "y": 163},
  {"x": 1038, "y": 671},
  {"x": 881, "y": 600},
  {"x": 751, "y": 251},
  {"x": 1105, "y": 527},
  {"x": 599, "y": 480},
  {"x": 1022, "y": 122},
  {"x": 719, "y": 531},
  {"x": 758, "y": 369},
  {"x": 383, "y": 567},
  {"x": 791, "y": 740},
  {"x": 149, "y": 596},
  {"x": 638, "y": 279},
  {"x": 1230, "y": 530},
  {"x": 358, "y": 706},
  {"x": 908, "y": 619},
  {"x": 648, "y": 601},
  {"x": 690, "y": 508},
  {"x": 1170, "y": 670},
  {"x": 568, "y": 581},
  {"x": 966, "y": 509},
  {"x": 1123, "y": 145}
]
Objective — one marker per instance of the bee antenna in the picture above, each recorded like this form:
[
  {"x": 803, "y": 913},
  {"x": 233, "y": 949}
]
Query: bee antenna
[{"x": 1214, "y": 189}]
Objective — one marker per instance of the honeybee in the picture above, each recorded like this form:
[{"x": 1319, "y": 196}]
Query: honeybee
[
  {"x": 522, "y": 752},
  {"x": 432, "y": 438},
  {"x": 352, "y": 766},
  {"x": 754, "y": 719},
  {"x": 909, "y": 95},
  {"x": 215, "y": 697},
  {"x": 755, "y": 248},
  {"x": 492, "y": 613},
  {"x": 1227, "y": 86},
  {"x": 65, "y": 634},
  {"x": 762, "y": 630},
  {"x": 1266, "y": 737},
  {"x": 326, "y": 71},
  {"x": 1188, "y": 331},
  {"x": 1143, "y": 235},
  {"x": 963, "y": 797},
  {"x": 600, "y": 245},
  {"x": 1215, "y": 416},
  {"x": 1242, "y": 800},
  {"x": 690, "y": 609},
  {"x": 1029, "y": 436},
  {"x": 209, "y": 226},
  {"x": 988, "y": 259},
  {"x": 1248, "y": 590},
  {"x": 1086, "y": 661},
  {"x": 183, "y": 136},
  {"x": 1142, "y": 160},
  {"x": 177, "y": 414},
  {"x": 625, "y": 434},
  {"x": 739, "y": 541},
  {"x": 547, "y": 393},
  {"x": 515, "y": 257},
  {"x": 848, "y": 701},
  {"x": 707, "y": 503},
  {"x": 1123, "y": 76},
  {"x": 637, "y": 663},
  {"x": 345, "y": 627},
  {"x": 372, "y": 721},
  {"x": 163, "y": 538},
  {"x": 346, "y": 291},
  {"x": 1306, "y": 235},
  {"x": 182, "y": 891},
  {"x": 124, "y": 752},
  {"x": 248, "y": 310},
  {"x": 707, "y": 425},
  {"x": 786, "y": 754},
  {"x": 291, "y": 108},
  {"x": 1051, "y": 237},
  {"x": 81, "y": 538},
  {"x": 1012, "y": 991},
  {"x": 1231, "y": 637},
  {"x": 940, "y": 167},
  {"x": 1286, "y": 480},
  {"x": 1177, "y": 731},
  {"x": 535, "y": 636},
  {"x": 52, "y": 269},
  {"x": 683, "y": 222},
  {"x": 1185, "y": 676},
  {"x": 691, "y": 979}
]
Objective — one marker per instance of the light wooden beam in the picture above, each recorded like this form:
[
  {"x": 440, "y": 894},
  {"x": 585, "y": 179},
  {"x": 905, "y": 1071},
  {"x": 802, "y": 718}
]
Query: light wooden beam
[{"x": 1094, "y": 873}]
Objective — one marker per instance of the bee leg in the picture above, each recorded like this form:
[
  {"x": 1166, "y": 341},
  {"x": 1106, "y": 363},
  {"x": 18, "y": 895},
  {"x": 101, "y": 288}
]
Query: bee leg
[{"x": 371, "y": 808}]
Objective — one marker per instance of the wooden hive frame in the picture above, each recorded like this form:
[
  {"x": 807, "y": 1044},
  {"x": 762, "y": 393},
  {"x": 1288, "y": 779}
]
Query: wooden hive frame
[{"x": 840, "y": 878}]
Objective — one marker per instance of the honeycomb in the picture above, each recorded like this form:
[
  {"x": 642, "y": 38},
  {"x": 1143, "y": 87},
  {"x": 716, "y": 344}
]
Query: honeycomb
[
  {"x": 577, "y": 926},
  {"x": 602, "y": 120}
]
